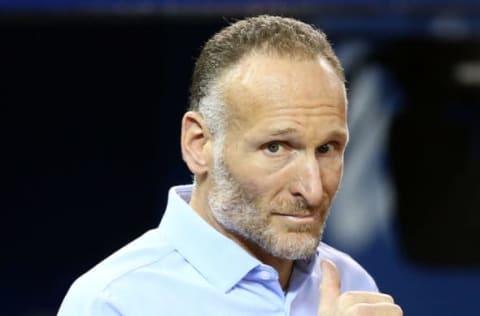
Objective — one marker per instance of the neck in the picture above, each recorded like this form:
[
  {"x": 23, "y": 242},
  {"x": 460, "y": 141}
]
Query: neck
[{"x": 283, "y": 266}]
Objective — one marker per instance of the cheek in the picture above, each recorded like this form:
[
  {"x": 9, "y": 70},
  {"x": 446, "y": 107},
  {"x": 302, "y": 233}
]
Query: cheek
[
  {"x": 263, "y": 189},
  {"x": 261, "y": 185},
  {"x": 331, "y": 177},
  {"x": 259, "y": 176}
]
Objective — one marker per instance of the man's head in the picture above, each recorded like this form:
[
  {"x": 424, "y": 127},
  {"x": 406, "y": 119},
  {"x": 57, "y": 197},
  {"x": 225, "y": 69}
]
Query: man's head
[{"x": 266, "y": 134}]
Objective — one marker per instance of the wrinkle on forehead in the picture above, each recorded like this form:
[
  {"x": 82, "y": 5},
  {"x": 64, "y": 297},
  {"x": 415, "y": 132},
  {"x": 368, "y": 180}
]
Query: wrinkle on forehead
[{"x": 268, "y": 84}]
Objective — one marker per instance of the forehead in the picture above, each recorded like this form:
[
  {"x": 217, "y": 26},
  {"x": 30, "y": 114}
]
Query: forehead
[{"x": 262, "y": 86}]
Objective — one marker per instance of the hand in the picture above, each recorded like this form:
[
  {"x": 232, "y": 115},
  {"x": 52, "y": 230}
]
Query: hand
[{"x": 352, "y": 303}]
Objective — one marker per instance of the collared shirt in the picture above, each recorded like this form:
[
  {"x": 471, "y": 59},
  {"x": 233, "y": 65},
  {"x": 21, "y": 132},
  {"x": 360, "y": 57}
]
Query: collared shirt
[{"x": 186, "y": 267}]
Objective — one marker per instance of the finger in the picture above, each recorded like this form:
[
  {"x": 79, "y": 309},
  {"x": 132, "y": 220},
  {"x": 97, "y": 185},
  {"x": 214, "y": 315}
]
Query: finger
[
  {"x": 378, "y": 309},
  {"x": 351, "y": 298},
  {"x": 330, "y": 286}
]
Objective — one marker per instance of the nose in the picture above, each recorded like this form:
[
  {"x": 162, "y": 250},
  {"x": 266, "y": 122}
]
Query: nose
[{"x": 308, "y": 182}]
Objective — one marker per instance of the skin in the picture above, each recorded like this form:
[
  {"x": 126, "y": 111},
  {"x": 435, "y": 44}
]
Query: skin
[
  {"x": 284, "y": 146},
  {"x": 352, "y": 303}
]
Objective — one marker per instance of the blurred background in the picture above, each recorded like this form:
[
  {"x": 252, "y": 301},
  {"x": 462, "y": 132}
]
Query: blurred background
[{"x": 92, "y": 94}]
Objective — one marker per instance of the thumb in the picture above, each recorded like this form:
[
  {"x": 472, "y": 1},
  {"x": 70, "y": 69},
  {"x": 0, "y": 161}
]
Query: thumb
[{"x": 330, "y": 286}]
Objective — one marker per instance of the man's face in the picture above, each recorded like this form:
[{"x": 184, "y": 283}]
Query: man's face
[{"x": 281, "y": 162}]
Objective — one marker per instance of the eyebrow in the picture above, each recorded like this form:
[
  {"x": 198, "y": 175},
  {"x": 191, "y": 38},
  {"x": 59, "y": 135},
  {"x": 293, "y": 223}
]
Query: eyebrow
[{"x": 337, "y": 133}]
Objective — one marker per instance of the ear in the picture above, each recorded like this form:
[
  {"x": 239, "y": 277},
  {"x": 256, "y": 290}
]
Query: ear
[{"x": 196, "y": 143}]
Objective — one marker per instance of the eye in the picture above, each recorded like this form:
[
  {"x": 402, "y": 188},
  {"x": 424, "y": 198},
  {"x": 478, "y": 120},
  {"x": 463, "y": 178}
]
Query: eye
[
  {"x": 273, "y": 148},
  {"x": 325, "y": 148}
]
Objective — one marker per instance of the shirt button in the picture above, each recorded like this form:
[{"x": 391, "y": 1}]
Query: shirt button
[{"x": 264, "y": 275}]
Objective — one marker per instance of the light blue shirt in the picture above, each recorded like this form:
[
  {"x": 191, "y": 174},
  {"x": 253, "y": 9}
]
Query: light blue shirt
[{"x": 186, "y": 267}]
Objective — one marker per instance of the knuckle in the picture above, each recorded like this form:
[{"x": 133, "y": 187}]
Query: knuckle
[
  {"x": 397, "y": 310},
  {"x": 388, "y": 298},
  {"x": 358, "y": 310},
  {"x": 348, "y": 296},
  {"x": 384, "y": 309},
  {"x": 354, "y": 297},
  {"x": 347, "y": 299}
]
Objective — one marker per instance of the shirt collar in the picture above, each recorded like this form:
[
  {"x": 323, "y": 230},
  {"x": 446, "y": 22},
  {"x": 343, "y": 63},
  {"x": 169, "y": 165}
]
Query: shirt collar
[{"x": 217, "y": 258}]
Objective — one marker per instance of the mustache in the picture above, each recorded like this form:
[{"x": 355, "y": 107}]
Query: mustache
[{"x": 300, "y": 207}]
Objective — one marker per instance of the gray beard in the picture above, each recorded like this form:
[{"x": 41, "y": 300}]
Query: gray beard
[{"x": 237, "y": 211}]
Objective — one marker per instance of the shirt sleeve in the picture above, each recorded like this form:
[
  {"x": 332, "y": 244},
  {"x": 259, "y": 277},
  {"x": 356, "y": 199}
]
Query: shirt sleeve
[{"x": 79, "y": 303}]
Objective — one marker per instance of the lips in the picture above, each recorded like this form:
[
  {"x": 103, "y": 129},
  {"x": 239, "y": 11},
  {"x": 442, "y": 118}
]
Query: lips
[{"x": 299, "y": 215}]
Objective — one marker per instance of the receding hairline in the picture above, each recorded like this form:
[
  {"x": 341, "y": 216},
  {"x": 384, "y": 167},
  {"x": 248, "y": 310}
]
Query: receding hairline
[
  {"x": 218, "y": 83},
  {"x": 281, "y": 36},
  {"x": 235, "y": 72},
  {"x": 319, "y": 57}
]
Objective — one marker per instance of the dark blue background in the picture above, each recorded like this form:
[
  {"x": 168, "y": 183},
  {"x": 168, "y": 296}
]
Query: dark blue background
[{"x": 91, "y": 113}]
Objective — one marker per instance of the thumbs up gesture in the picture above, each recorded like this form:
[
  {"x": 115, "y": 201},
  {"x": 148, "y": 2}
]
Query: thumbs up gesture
[{"x": 353, "y": 303}]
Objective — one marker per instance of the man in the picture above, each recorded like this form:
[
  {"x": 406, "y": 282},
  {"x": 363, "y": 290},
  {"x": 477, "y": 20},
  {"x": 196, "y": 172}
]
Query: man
[{"x": 264, "y": 139}]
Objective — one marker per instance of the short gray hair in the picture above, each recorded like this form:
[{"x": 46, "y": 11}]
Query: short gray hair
[{"x": 281, "y": 36}]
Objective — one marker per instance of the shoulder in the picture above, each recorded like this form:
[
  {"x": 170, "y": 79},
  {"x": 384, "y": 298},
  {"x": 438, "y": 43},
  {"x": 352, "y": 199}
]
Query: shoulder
[
  {"x": 354, "y": 276},
  {"x": 96, "y": 289}
]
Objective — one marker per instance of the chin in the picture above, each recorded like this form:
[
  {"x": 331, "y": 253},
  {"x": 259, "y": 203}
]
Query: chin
[{"x": 294, "y": 245}]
